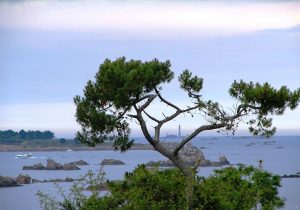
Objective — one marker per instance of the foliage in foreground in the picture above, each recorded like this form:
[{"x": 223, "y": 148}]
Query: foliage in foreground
[
  {"x": 77, "y": 197},
  {"x": 228, "y": 188}
]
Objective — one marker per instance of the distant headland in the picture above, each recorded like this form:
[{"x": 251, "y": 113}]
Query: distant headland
[{"x": 10, "y": 136}]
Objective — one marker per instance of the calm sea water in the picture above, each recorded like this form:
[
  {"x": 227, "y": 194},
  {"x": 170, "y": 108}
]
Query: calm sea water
[{"x": 281, "y": 156}]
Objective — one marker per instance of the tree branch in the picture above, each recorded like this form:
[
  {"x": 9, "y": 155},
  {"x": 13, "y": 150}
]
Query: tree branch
[
  {"x": 150, "y": 99},
  {"x": 190, "y": 109},
  {"x": 171, "y": 117},
  {"x": 242, "y": 107},
  {"x": 142, "y": 98},
  {"x": 165, "y": 101},
  {"x": 122, "y": 114},
  {"x": 143, "y": 125},
  {"x": 105, "y": 108},
  {"x": 178, "y": 112},
  {"x": 194, "y": 134},
  {"x": 132, "y": 115},
  {"x": 151, "y": 117}
]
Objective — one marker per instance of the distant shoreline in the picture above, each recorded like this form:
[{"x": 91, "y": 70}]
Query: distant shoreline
[
  {"x": 105, "y": 146},
  {"x": 57, "y": 145}
]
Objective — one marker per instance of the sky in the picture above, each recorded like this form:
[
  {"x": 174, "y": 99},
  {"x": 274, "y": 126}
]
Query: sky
[{"x": 50, "y": 49}]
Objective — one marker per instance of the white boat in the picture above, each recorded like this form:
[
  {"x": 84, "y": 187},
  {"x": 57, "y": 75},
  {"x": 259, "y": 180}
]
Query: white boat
[
  {"x": 24, "y": 155},
  {"x": 69, "y": 150}
]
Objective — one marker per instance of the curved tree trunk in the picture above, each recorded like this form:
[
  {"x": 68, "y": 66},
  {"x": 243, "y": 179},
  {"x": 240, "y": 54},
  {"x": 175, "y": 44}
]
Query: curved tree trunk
[
  {"x": 184, "y": 166},
  {"x": 177, "y": 160}
]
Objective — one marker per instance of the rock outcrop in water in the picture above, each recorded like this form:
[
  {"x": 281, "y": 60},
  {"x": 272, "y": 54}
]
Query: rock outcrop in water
[
  {"x": 190, "y": 154},
  {"x": 52, "y": 165},
  {"x": 297, "y": 175},
  {"x": 23, "y": 179},
  {"x": 6, "y": 181},
  {"x": 68, "y": 179},
  {"x": 112, "y": 162},
  {"x": 79, "y": 163}
]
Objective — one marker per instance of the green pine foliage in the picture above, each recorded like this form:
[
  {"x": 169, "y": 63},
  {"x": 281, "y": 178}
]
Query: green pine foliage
[
  {"x": 117, "y": 87},
  {"x": 263, "y": 101},
  {"x": 121, "y": 86}
]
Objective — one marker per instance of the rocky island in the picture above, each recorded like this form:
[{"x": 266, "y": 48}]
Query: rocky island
[
  {"x": 193, "y": 155},
  {"x": 112, "y": 162},
  {"x": 52, "y": 165},
  {"x": 6, "y": 181}
]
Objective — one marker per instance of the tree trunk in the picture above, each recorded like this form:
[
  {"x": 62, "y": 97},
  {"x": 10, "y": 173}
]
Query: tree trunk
[
  {"x": 178, "y": 162},
  {"x": 186, "y": 169}
]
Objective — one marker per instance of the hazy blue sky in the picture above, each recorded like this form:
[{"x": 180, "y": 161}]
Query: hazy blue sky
[{"x": 49, "y": 49}]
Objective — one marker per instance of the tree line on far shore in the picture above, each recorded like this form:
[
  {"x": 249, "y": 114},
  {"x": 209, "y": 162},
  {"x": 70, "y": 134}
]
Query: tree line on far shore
[{"x": 22, "y": 135}]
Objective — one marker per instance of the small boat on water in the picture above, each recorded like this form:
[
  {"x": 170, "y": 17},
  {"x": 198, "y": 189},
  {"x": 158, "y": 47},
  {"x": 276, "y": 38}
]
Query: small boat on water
[
  {"x": 69, "y": 150},
  {"x": 24, "y": 155}
]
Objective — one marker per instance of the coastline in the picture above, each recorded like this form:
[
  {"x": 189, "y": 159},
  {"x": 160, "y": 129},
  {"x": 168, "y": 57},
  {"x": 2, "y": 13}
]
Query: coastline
[{"x": 105, "y": 146}]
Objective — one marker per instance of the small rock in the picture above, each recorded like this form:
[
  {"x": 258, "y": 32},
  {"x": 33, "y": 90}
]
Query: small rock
[
  {"x": 56, "y": 180},
  {"x": 223, "y": 161},
  {"x": 52, "y": 165},
  {"x": 36, "y": 181},
  {"x": 6, "y": 181},
  {"x": 37, "y": 166},
  {"x": 215, "y": 164},
  {"x": 27, "y": 168},
  {"x": 112, "y": 162},
  {"x": 68, "y": 179},
  {"x": 79, "y": 163},
  {"x": 23, "y": 179},
  {"x": 205, "y": 162},
  {"x": 68, "y": 166}
]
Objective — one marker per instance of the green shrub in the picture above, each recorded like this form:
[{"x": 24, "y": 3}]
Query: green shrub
[
  {"x": 228, "y": 188},
  {"x": 239, "y": 188}
]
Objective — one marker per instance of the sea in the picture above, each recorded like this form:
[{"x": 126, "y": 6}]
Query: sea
[{"x": 280, "y": 155}]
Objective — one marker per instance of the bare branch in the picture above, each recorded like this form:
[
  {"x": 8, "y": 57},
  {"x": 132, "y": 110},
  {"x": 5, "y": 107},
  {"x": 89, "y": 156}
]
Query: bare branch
[
  {"x": 150, "y": 99},
  {"x": 171, "y": 117},
  {"x": 132, "y": 115},
  {"x": 151, "y": 117},
  {"x": 190, "y": 109},
  {"x": 164, "y": 115},
  {"x": 165, "y": 101},
  {"x": 195, "y": 133},
  {"x": 143, "y": 125},
  {"x": 178, "y": 112}
]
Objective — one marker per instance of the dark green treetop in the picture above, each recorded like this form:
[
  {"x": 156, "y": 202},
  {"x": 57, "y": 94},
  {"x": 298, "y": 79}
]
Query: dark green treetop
[
  {"x": 124, "y": 89},
  {"x": 263, "y": 100},
  {"x": 119, "y": 85}
]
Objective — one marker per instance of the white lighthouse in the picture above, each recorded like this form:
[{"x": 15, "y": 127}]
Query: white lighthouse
[{"x": 179, "y": 131}]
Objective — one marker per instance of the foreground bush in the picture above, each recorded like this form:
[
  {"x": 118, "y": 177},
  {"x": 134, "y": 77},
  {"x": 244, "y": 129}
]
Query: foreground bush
[
  {"x": 228, "y": 188},
  {"x": 239, "y": 188}
]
